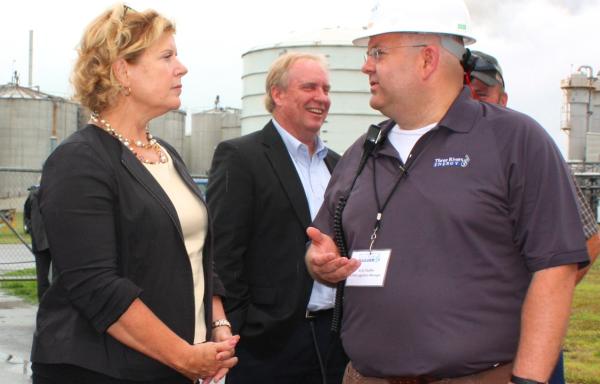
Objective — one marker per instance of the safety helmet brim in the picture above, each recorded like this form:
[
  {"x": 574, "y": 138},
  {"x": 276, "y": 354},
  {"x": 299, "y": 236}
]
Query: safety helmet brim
[{"x": 363, "y": 41}]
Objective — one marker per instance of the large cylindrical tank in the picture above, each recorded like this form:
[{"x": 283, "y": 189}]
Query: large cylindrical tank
[
  {"x": 32, "y": 123},
  {"x": 171, "y": 128},
  {"x": 209, "y": 128},
  {"x": 579, "y": 98},
  {"x": 350, "y": 114}
]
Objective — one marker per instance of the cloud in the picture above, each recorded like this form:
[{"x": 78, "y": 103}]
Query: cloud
[
  {"x": 538, "y": 43},
  {"x": 508, "y": 17},
  {"x": 574, "y": 7}
]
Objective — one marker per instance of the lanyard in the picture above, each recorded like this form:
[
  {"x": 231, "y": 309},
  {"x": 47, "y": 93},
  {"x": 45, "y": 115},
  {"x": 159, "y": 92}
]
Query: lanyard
[{"x": 418, "y": 148}]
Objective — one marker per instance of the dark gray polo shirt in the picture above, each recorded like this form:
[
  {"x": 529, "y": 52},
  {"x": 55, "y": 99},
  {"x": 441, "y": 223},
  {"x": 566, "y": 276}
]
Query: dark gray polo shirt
[{"x": 488, "y": 202}]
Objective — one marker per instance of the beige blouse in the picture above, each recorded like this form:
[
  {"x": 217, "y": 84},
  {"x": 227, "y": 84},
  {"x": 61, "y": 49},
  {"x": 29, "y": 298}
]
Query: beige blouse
[{"x": 193, "y": 219}]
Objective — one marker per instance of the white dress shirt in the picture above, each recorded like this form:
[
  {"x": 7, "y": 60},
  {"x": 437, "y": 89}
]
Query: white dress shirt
[{"x": 314, "y": 176}]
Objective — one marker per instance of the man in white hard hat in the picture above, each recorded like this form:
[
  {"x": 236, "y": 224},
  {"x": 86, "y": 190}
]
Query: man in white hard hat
[
  {"x": 488, "y": 84},
  {"x": 462, "y": 266}
]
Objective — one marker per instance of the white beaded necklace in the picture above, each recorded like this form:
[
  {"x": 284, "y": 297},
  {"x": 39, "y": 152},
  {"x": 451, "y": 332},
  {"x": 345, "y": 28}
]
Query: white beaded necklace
[{"x": 150, "y": 144}]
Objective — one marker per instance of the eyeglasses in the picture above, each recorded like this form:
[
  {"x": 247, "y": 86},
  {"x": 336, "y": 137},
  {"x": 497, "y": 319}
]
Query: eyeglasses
[{"x": 376, "y": 53}]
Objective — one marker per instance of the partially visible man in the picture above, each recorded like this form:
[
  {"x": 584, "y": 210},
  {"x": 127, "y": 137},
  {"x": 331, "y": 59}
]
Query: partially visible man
[
  {"x": 39, "y": 242},
  {"x": 467, "y": 264},
  {"x": 263, "y": 191},
  {"x": 488, "y": 83},
  {"x": 487, "y": 79}
]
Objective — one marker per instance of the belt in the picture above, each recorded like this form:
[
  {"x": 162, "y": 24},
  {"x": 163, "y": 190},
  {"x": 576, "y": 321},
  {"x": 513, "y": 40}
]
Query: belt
[
  {"x": 499, "y": 374},
  {"x": 412, "y": 380},
  {"x": 352, "y": 376},
  {"x": 310, "y": 315}
]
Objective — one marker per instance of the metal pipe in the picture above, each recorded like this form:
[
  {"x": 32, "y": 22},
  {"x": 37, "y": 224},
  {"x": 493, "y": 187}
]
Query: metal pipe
[
  {"x": 53, "y": 136},
  {"x": 20, "y": 170},
  {"x": 30, "y": 79},
  {"x": 54, "y": 116},
  {"x": 590, "y": 107}
]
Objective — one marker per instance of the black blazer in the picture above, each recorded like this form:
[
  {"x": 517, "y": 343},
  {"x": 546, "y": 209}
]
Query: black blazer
[
  {"x": 114, "y": 235},
  {"x": 260, "y": 215}
]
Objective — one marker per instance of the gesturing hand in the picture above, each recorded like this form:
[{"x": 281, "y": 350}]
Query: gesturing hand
[{"x": 323, "y": 259}]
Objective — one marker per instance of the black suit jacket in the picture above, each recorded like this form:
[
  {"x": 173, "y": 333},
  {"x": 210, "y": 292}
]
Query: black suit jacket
[
  {"x": 260, "y": 214},
  {"x": 114, "y": 235}
]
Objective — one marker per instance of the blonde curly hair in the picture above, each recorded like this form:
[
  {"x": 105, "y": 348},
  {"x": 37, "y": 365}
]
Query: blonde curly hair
[{"x": 117, "y": 33}]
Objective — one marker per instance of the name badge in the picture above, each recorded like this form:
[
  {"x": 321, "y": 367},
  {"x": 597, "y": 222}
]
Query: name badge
[{"x": 372, "y": 270}]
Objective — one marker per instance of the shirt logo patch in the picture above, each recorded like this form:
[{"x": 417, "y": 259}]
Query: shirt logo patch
[{"x": 462, "y": 162}]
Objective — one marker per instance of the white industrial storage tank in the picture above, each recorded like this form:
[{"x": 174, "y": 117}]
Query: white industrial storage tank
[
  {"x": 31, "y": 124},
  {"x": 581, "y": 114},
  {"x": 350, "y": 114},
  {"x": 209, "y": 128},
  {"x": 171, "y": 128}
]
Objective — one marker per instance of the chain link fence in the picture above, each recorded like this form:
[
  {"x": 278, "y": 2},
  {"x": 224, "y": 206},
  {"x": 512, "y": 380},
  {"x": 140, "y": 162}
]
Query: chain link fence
[
  {"x": 18, "y": 263},
  {"x": 16, "y": 259}
]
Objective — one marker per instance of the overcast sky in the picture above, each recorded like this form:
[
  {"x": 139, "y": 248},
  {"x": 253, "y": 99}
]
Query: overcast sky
[{"x": 538, "y": 42}]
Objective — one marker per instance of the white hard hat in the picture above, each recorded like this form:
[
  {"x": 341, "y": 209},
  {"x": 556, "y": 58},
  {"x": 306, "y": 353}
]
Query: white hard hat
[{"x": 446, "y": 17}]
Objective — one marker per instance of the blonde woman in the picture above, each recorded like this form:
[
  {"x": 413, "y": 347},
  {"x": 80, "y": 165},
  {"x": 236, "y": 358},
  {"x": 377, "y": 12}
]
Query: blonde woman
[{"x": 135, "y": 298}]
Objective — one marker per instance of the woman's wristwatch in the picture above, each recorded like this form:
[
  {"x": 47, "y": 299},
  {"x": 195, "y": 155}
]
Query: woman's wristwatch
[{"x": 221, "y": 323}]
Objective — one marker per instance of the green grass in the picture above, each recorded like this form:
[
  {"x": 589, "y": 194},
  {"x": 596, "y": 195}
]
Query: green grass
[
  {"x": 26, "y": 289},
  {"x": 8, "y": 237},
  {"x": 582, "y": 345}
]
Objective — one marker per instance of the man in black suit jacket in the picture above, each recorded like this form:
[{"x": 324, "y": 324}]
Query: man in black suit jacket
[{"x": 263, "y": 191}]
